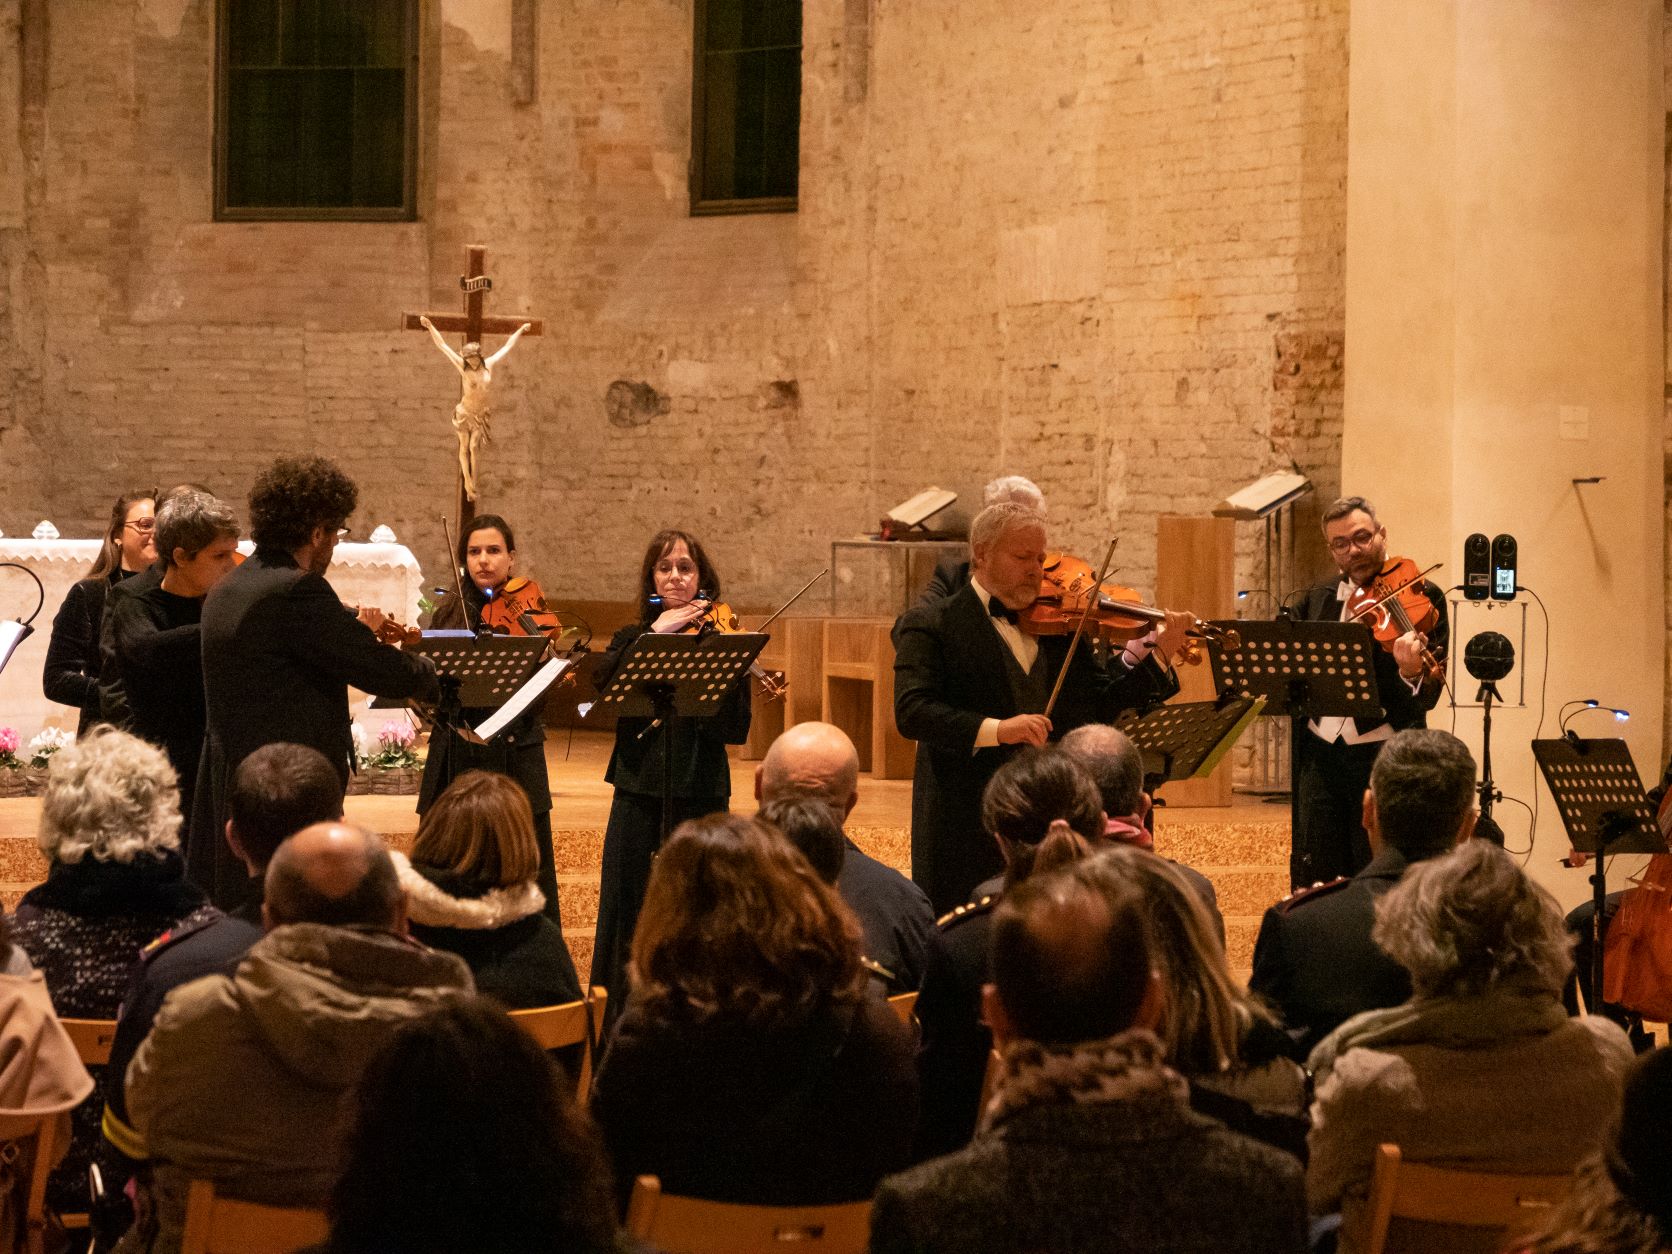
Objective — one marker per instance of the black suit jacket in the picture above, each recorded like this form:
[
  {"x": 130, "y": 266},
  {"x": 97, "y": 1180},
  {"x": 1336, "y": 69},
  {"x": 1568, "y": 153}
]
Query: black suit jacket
[
  {"x": 279, "y": 652},
  {"x": 1404, "y": 708},
  {"x": 71, "y": 673},
  {"x": 950, "y": 674}
]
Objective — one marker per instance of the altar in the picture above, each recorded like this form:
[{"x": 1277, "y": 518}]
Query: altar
[{"x": 383, "y": 575}]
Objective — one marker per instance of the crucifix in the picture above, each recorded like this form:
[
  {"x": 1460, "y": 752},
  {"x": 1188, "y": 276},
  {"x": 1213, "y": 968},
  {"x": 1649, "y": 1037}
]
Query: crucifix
[{"x": 470, "y": 415}]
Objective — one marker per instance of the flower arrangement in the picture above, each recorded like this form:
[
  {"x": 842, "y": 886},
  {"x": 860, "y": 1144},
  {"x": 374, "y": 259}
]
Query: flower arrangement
[
  {"x": 9, "y": 742},
  {"x": 47, "y": 743},
  {"x": 396, "y": 748}
]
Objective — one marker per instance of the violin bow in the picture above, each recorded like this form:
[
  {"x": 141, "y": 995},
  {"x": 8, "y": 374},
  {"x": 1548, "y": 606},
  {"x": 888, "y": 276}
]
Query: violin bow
[
  {"x": 452, "y": 561},
  {"x": 1080, "y": 627},
  {"x": 793, "y": 599}
]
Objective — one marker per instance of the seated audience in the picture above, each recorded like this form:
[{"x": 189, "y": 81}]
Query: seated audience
[
  {"x": 243, "y": 1075},
  {"x": 1117, "y": 765},
  {"x": 1482, "y": 1067},
  {"x": 1622, "y": 1194},
  {"x": 110, "y": 830},
  {"x": 1089, "y": 1143},
  {"x": 1314, "y": 959},
  {"x": 1043, "y": 809},
  {"x": 464, "y": 1136},
  {"x": 751, "y": 1065},
  {"x": 471, "y": 890},
  {"x": 1227, "y": 1043},
  {"x": 276, "y": 792},
  {"x": 818, "y": 760}
]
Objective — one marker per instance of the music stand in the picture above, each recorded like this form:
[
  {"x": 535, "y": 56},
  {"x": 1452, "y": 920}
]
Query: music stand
[
  {"x": 1189, "y": 739},
  {"x": 1600, "y": 797},
  {"x": 667, "y": 678}
]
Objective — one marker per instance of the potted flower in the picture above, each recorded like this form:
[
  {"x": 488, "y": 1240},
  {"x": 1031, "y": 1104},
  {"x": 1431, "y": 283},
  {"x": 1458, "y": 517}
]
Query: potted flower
[
  {"x": 23, "y": 769},
  {"x": 390, "y": 764}
]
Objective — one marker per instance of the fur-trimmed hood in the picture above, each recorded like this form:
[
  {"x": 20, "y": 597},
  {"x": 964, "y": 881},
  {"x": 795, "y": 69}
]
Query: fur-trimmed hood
[{"x": 431, "y": 904}]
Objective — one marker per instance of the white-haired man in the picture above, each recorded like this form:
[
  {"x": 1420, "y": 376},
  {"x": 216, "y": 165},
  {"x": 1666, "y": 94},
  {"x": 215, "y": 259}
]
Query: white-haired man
[{"x": 971, "y": 687}]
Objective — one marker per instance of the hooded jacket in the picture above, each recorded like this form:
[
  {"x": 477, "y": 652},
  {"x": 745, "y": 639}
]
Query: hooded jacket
[{"x": 244, "y": 1077}]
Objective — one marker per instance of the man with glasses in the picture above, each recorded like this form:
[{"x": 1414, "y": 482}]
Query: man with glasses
[
  {"x": 1333, "y": 756},
  {"x": 280, "y": 651}
]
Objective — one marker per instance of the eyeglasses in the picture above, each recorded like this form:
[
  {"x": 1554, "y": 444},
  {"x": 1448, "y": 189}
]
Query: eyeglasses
[
  {"x": 145, "y": 526},
  {"x": 1345, "y": 544}
]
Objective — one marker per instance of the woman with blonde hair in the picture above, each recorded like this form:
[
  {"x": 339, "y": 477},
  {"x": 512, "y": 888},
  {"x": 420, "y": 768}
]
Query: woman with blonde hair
[
  {"x": 471, "y": 890},
  {"x": 752, "y": 1064}
]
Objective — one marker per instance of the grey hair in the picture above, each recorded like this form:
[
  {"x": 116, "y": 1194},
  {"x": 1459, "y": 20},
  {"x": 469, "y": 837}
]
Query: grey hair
[
  {"x": 1471, "y": 919},
  {"x": 1344, "y": 505},
  {"x": 1114, "y": 762},
  {"x": 193, "y": 520},
  {"x": 992, "y": 523},
  {"x": 110, "y": 796},
  {"x": 1017, "y": 489}
]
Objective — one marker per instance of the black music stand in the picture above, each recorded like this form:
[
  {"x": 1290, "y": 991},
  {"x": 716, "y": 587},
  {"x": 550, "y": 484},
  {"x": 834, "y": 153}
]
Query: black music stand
[
  {"x": 1605, "y": 811},
  {"x": 667, "y": 678},
  {"x": 1188, "y": 740}
]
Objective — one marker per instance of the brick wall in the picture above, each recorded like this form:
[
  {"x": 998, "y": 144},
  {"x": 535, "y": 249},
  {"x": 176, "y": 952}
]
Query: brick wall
[{"x": 1098, "y": 242}]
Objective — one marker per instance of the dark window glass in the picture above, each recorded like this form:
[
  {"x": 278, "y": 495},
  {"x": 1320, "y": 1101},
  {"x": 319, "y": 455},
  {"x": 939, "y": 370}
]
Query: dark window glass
[
  {"x": 747, "y": 88},
  {"x": 316, "y": 108}
]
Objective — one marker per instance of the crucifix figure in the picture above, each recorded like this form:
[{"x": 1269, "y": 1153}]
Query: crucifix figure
[{"x": 471, "y": 414}]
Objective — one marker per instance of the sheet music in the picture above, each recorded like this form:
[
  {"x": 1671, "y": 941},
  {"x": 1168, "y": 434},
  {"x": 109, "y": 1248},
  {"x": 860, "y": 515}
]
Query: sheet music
[{"x": 524, "y": 697}]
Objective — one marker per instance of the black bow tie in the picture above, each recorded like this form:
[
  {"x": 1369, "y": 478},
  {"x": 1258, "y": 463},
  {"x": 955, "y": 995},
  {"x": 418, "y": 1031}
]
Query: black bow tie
[{"x": 998, "y": 609}]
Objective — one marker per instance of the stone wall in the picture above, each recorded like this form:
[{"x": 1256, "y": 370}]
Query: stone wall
[{"x": 1098, "y": 242}]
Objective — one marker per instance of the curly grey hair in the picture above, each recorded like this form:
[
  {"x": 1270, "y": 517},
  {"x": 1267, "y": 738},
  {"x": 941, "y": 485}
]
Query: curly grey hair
[
  {"x": 992, "y": 523},
  {"x": 110, "y": 796},
  {"x": 1015, "y": 488},
  {"x": 193, "y": 520},
  {"x": 1471, "y": 919}
]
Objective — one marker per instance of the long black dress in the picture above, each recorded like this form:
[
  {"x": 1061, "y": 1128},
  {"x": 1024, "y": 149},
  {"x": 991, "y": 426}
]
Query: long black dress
[{"x": 701, "y": 785}]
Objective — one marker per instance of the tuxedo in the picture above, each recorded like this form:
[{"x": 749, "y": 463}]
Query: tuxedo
[
  {"x": 1329, "y": 777},
  {"x": 952, "y": 671}
]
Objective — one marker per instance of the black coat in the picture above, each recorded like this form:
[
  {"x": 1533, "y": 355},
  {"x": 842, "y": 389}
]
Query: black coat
[
  {"x": 1403, "y": 707},
  {"x": 71, "y": 673},
  {"x": 158, "y": 662},
  {"x": 950, "y": 673},
  {"x": 952, "y": 1056},
  {"x": 893, "y": 913},
  {"x": 113, "y": 697},
  {"x": 279, "y": 652},
  {"x": 1314, "y": 959}
]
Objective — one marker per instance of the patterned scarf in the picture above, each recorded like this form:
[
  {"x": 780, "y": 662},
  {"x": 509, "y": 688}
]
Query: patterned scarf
[{"x": 1112, "y": 1069}]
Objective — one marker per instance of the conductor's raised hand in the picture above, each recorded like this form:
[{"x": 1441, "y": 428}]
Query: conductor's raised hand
[{"x": 1024, "y": 729}]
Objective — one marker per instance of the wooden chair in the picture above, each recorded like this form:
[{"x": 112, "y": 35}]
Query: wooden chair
[
  {"x": 1421, "y": 1193},
  {"x": 904, "y": 1005},
  {"x": 47, "y": 1149},
  {"x": 858, "y": 696},
  {"x": 572, "y": 1023},
  {"x": 219, "y": 1225},
  {"x": 93, "y": 1039},
  {"x": 685, "y": 1225}
]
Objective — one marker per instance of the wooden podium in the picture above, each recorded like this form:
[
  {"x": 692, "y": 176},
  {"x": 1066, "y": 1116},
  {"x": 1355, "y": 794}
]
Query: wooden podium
[{"x": 1195, "y": 561}]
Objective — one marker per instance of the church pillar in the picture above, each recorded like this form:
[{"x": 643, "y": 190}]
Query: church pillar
[{"x": 1504, "y": 338}]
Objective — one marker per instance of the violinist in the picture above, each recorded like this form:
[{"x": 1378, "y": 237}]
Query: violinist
[
  {"x": 970, "y": 685},
  {"x": 1333, "y": 756},
  {"x": 677, "y": 587},
  {"x": 498, "y": 600}
]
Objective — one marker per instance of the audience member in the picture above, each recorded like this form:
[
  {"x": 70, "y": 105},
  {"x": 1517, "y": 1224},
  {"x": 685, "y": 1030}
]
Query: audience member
[
  {"x": 750, "y": 1064},
  {"x": 1043, "y": 810},
  {"x": 1117, "y": 765},
  {"x": 1314, "y": 959},
  {"x": 1482, "y": 1066},
  {"x": 155, "y": 636},
  {"x": 1622, "y": 1194},
  {"x": 818, "y": 760},
  {"x": 276, "y": 792},
  {"x": 1088, "y": 1143},
  {"x": 1227, "y": 1043},
  {"x": 471, "y": 890},
  {"x": 110, "y": 830},
  {"x": 464, "y": 1136},
  {"x": 243, "y": 1075}
]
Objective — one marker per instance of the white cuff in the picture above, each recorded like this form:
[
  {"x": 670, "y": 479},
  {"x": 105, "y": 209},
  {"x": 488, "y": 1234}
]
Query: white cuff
[{"x": 988, "y": 736}]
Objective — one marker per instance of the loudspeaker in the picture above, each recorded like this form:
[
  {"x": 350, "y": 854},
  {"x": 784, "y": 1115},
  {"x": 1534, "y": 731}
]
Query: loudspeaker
[
  {"x": 1477, "y": 567},
  {"x": 1503, "y": 567}
]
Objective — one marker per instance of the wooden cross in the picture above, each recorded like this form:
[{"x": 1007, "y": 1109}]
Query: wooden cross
[{"x": 474, "y": 323}]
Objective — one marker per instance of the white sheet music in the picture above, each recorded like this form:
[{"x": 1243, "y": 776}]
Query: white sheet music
[{"x": 524, "y": 697}]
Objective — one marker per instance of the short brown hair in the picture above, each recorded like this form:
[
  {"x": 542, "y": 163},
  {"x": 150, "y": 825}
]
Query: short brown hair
[
  {"x": 736, "y": 924},
  {"x": 481, "y": 828},
  {"x": 1341, "y": 506}
]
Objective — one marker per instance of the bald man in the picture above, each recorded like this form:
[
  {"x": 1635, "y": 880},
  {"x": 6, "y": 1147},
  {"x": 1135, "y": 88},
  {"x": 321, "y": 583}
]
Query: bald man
[
  {"x": 818, "y": 760},
  {"x": 243, "y": 1072}
]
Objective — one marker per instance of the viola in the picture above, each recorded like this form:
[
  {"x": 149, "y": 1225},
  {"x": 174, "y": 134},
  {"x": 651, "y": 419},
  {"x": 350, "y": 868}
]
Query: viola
[
  {"x": 1394, "y": 603},
  {"x": 1117, "y": 614}
]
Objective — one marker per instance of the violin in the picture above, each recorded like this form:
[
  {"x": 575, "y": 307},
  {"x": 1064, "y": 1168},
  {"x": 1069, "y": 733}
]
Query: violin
[
  {"x": 722, "y": 618},
  {"x": 1116, "y": 615},
  {"x": 391, "y": 631},
  {"x": 518, "y": 609},
  {"x": 1394, "y": 603}
]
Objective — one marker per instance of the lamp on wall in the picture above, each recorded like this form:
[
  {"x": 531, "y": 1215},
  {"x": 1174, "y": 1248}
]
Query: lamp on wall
[{"x": 13, "y": 631}]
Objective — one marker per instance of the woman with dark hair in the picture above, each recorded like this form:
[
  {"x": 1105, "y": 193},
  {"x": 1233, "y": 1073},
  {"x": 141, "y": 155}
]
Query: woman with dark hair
[
  {"x": 751, "y": 1064},
  {"x": 471, "y": 890},
  {"x": 677, "y": 584},
  {"x": 463, "y": 1136},
  {"x": 487, "y": 554},
  {"x": 1044, "y": 810},
  {"x": 71, "y": 676}
]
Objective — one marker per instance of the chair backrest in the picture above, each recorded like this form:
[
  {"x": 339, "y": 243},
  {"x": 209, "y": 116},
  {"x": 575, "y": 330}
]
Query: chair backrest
[
  {"x": 92, "y": 1038},
  {"x": 904, "y": 1005},
  {"x": 47, "y": 1151},
  {"x": 1422, "y": 1193},
  {"x": 571, "y": 1023},
  {"x": 685, "y": 1225},
  {"x": 219, "y": 1225}
]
